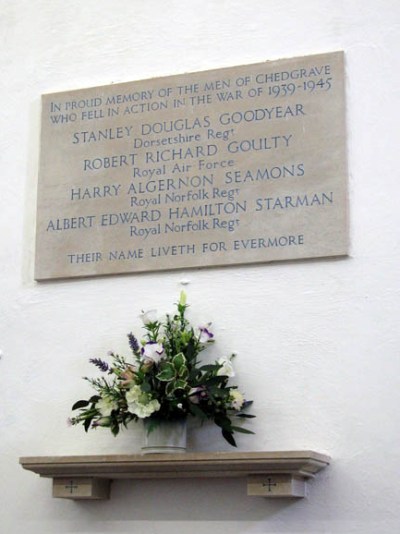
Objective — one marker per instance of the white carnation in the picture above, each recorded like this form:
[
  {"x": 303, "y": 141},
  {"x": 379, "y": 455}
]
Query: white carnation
[{"x": 140, "y": 403}]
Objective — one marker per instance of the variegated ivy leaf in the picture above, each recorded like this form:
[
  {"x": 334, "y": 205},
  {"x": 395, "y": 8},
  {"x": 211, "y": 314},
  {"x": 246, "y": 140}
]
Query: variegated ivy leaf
[
  {"x": 174, "y": 385},
  {"x": 170, "y": 388},
  {"x": 179, "y": 360},
  {"x": 183, "y": 373},
  {"x": 180, "y": 384},
  {"x": 167, "y": 372}
]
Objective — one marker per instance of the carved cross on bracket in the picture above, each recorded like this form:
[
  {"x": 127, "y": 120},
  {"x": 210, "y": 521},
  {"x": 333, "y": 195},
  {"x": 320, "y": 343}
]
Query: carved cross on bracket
[
  {"x": 81, "y": 488},
  {"x": 71, "y": 486},
  {"x": 279, "y": 485},
  {"x": 269, "y": 484}
]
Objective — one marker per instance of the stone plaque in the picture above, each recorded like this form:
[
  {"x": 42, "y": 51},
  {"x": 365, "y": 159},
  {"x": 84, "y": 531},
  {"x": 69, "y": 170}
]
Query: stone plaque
[{"x": 230, "y": 166}]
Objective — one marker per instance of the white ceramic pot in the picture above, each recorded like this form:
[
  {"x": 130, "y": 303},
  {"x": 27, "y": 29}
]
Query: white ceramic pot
[{"x": 166, "y": 437}]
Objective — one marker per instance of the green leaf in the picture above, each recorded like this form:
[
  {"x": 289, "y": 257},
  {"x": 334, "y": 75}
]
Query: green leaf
[
  {"x": 194, "y": 376},
  {"x": 115, "y": 429},
  {"x": 167, "y": 373},
  {"x": 146, "y": 387},
  {"x": 170, "y": 388},
  {"x": 216, "y": 380},
  {"x": 242, "y": 430},
  {"x": 180, "y": 384},
  {"x": 87, "y": 423},
  {"x": 174, "y": 385},
  {"x": 151, "y": 424},
  {"x": 246, "y": 415},
  {"x": 197, "y": 412},
  {"x": 209, "y": 367},
  {"x": 183, "y": 373},
  {"x": 80, "y": 404},
  {"x": 190, "y": 350},
  {"x": 229, "y": 437},
  {"x": 179, "y": 361},
  {"x": 224, "y": 422}
]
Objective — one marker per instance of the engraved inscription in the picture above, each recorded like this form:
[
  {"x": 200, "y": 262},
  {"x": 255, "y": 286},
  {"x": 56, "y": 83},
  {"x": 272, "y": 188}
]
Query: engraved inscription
[{"x": 231, "y": 166}]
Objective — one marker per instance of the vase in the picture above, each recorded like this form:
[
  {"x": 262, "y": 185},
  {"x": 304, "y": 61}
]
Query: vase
[{"x": 166, "y": 437}]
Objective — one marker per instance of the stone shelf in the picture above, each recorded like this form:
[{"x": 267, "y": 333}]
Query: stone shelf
[{"x": 268, "y": 474}]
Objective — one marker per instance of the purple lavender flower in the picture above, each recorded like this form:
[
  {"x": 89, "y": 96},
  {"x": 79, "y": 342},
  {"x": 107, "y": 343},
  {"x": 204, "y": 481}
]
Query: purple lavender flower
[
  {"x": 101, "y": 364},
  {"x": 133, "y": 343}
]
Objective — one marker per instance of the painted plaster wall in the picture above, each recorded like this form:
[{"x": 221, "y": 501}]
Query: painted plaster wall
[{"x": 318, "y": 341}]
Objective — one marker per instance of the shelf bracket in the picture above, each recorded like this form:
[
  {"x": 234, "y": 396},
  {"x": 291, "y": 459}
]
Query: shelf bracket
[
  {"x": 274, "y": 485},
  {"x": 79, "y": 488}
]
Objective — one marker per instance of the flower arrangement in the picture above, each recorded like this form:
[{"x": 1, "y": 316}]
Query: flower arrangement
[{"x": 166, "y": 381}]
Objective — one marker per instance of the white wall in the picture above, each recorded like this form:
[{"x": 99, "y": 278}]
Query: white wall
[{"x": 318, "y": 341}]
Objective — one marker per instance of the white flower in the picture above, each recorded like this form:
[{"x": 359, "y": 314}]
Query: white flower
[
  {"x": 145, "y": 410},
  {"x": 226, "y": 369},
  {"x": 153, "y": 351},
  {"x": 204, "y": 334},
  {"x": 133, "y": 394},
  {"x": 236, "y": 399},
  {"x": 106, "y": 405},
  {"x": 140, "y": 403},
  {"x": 149, "y": 317}
]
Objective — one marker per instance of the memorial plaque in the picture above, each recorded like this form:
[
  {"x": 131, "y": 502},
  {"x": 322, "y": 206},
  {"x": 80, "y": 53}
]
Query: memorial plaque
[{"x": 230, "y": 166}]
